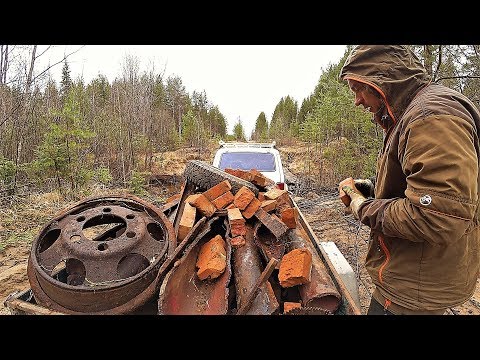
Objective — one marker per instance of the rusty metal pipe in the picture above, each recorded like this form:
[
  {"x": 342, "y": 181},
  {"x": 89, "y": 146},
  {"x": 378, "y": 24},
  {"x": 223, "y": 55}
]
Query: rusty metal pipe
[
  {"x": 269, "y": 245},
  {"x": 247, "y": 268},
  {"x": 320, "y": 291}
]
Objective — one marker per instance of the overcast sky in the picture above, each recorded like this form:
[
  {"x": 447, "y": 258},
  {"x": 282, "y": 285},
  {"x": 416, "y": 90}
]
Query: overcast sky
[{"x": 242, "y": 80}]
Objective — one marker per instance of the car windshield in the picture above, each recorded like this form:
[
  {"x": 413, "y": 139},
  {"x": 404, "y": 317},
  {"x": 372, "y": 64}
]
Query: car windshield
[{"x": 247, "y": 161}]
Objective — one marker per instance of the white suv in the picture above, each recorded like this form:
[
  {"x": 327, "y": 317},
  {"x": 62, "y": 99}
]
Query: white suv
[{"x": 246, "y": 156}]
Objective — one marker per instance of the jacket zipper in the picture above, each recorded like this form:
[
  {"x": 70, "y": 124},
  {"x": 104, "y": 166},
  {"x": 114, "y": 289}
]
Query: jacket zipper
[{"x": 387, "y": 259}]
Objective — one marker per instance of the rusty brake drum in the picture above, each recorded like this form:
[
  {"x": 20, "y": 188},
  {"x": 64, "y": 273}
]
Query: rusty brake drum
[{"x": 101, "y": 256}]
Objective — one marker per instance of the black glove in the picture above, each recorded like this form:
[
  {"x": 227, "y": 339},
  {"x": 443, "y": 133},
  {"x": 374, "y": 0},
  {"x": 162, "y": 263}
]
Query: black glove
[{"x": 366, "y": 187}]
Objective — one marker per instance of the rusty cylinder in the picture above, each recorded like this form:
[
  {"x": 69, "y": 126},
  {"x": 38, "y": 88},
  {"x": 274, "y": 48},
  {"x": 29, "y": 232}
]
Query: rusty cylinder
[
  {"x": 320, "y": 291},
  {"x": 247, "y": 268}
]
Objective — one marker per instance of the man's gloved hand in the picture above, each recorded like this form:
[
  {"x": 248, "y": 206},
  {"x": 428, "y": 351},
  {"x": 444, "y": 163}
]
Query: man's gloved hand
[
  {"x": 357, "y": 199},
  {"x": 366, "y": 187},
  {"x": 351, "y": 196}
]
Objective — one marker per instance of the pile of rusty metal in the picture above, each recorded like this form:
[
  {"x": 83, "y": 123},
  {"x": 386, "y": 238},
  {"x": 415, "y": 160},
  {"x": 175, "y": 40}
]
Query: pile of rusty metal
[{"x": 229, "y": 243}]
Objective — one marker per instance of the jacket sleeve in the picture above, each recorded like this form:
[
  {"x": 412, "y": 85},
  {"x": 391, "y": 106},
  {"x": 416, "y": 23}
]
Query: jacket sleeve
[{"x": 439, "y": 158}]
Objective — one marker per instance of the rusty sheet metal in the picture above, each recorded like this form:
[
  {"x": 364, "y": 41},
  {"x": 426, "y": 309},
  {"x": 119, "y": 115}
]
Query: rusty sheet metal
[
  {"x": 269, "y": 245},
  {"x": 320, "y": 292},
  {"x": 74, "y": 270},
  {"x": 170, "y": 261},
  {"x": 247, "y": 268},
  {"x": 183, "y": 293},
  {"x": 170, "y": 209}
]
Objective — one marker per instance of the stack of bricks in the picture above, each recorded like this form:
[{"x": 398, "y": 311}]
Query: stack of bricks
[
  {"x": 220, "y": 195},
  {"x": 254, "y": 176},
  {"x": 273, "y": 207}
]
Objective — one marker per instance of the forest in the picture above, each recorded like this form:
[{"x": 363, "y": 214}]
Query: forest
[{"x": 69, "y": 135}]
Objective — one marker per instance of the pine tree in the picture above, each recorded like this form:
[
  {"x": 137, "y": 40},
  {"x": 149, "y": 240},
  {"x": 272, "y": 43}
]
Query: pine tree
[
  {"x": 238, "y": 131},
  {"x": 66, "y": 82},
  {"x": 260, "y": 133}
]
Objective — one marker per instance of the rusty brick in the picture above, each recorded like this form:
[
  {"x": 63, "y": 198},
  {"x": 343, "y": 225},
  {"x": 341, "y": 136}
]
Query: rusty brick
[
  {"x": 261, "y": 196},
  {"x": 282, "y": 197},
  {"x": 231, "y": 206},
  {"x": 234, "y": 215},
  {"x": 295, "y": 268},
  {"x": 271, "y": 222},
  {"x": 251, "y": 208},
  {"x": 237, "y": 222},
  {"x": 223, "y": 200},
  {"x": 275, "y": 193},
  {"x": 238, "y": 229},
  {"x": 242, "y": 174},
  {"x": 217, "y": 190},
  {"x": 212, "y": 258},
  {"x": 259, "y": 179},
  {"x": 243, "y": 197},
  {"x": 288, "y": 305},
  {"x": 204, "y": 206},
  {"x": 238, "y": 241},
  {"x": 269, "y": 205},
  {"x": 187, "y": 221},
  {"x": 290, "y": 217},
  {"x": 230, "y": 171},
  {"x": 192, "y": 198}
]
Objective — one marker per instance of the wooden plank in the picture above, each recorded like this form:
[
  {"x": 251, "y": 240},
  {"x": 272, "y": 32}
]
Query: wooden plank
[{"x": 28, "y": 308}]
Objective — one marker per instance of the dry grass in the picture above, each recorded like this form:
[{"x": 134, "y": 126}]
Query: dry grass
[{"x": 24, "y": 217}]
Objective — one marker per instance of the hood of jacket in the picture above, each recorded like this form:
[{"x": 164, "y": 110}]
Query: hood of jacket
[{"x": 393, "y": 70}]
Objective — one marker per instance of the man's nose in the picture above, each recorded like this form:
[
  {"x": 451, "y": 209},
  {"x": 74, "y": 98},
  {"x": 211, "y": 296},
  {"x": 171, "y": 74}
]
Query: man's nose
[{"x": 358, "y": 100}]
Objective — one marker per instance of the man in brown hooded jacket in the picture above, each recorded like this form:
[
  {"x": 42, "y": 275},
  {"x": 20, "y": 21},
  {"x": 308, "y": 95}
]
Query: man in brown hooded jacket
[{"x": 423, "y": 254}]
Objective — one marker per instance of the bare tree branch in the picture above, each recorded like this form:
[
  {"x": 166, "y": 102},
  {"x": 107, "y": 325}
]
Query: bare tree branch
[
  {"x": 475, "y": 50},
  {"x": 3, "y": 58},
  {"x": 58, "y": 62},
  {"x": 65, "y": 56},
  {"x": 458, "y": 77},
  {"x": 13, "y": 111},
  {"x": 440, "y": 48},
  {"x": 44, "y": 51}
]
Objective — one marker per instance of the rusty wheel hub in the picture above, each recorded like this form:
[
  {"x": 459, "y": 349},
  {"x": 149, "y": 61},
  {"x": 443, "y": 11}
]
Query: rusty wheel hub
[{"x": 100, "y": 256}]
